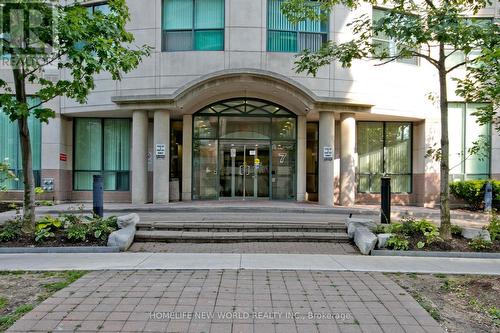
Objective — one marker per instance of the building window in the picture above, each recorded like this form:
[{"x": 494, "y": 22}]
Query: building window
[
  {"x": 384, "y": 148},
  {"x": 10, "y": 147},
  {"x": 463, "y": 131},
  {"x": 193, "y": 25},
  {"x": 101, "y": 147},
  {"x": 312, "y": 149},
  {"x": 385, "y": 44},
  {"x": 101, "y": 7},
  {"x": 283, "y": 36}
]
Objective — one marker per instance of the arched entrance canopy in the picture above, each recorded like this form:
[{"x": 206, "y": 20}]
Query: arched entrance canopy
[{"x": 245, "y": 106}]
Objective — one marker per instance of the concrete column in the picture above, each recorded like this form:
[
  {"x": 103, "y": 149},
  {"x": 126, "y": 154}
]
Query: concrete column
[
  {"x": 301, "y": 157},
  {"x": 187, "y": 144},
  {"x": 161, "y": 165},
  {"x": 139, "y": 157},
  {"x": 347, "y": 165},
  {"x": 325, "y": 167}
]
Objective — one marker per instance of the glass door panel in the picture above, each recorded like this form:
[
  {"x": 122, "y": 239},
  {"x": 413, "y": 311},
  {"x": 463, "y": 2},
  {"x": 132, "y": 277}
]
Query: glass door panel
[
  {"x": 283, "y": 174},
  {"x": 244, "y": 170},
  {"x": 204, "y": 169}
]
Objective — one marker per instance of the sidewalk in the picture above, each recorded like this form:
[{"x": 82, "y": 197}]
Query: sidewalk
[{"x": 145, "y": 261}]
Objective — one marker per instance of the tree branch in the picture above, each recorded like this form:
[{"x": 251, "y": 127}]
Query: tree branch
[
  {"x": 433, "y": 61},
  {"x": 460, "y": 64},
  {"x": 44, "y": 64}
]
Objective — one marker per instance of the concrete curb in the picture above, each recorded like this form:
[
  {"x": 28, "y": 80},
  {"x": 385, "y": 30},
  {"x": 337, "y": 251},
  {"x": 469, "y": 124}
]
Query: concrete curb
[
  {"x": 67, "y": 249},
  {"x": 435, "y": 254}
]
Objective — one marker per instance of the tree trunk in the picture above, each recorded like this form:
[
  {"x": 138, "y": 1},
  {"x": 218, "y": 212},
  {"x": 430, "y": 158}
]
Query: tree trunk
[
  {"x": 28, "y": 225},
  {"x": 444, "y": 197}
]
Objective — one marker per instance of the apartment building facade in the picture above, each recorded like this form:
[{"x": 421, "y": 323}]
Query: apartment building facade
[{"x": 218, "y": 112}]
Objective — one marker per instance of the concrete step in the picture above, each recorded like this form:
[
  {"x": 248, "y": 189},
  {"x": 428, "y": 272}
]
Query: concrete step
[
  {"x": 261, "y": 226},
  {"x": 210, "y": 237}
]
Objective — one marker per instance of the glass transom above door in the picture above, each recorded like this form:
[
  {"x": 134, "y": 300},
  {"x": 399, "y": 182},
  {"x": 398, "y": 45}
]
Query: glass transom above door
[{"x": 239, "y": 151}]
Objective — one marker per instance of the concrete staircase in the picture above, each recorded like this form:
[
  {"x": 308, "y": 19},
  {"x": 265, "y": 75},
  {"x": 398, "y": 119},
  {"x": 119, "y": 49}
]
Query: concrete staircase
[{"x": 254, "y": 230}]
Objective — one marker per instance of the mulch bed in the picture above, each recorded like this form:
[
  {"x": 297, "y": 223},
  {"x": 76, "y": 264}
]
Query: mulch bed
[
  {"x": 6, "y": 206},
  {"x": 456, "y": 244},
  {"x": 58, "y": 241}
]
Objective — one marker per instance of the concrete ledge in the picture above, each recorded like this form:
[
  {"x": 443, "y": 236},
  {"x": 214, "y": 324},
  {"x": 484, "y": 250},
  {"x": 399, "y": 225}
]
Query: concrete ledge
[
  {"x": 67, "y": 249},
  {"x": 441, "y": 254}
]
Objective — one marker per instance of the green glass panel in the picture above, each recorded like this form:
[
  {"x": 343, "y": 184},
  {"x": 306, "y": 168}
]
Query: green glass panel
[
  {"x": 284, "y": 128},
  {"x": 245, "y": 128},
  {"x": 370, "y": 143},
  {"x": 283, "y": 181},
  {"x": 209, "y": 14},
  {"x": 205, "y": 169},
  {"x": 477, "y": 164},
  {"x": 276, "y": 19},
  {"x": 456, "y": 135},
  {"x": 177, "y": 14},
  {"x": 88, "y": 151},
  {"x": 205, "y": 127},
  {"x": 281, "y": 41},
  {"x": 116, "y": 153},
  {"x": 398, "y": 148},
  {"x": 209, "y": 40}
]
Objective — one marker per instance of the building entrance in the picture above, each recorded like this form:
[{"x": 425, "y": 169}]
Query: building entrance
[
  {"x": 244, "y": 149},
  {"x": 244, "y": 170}
]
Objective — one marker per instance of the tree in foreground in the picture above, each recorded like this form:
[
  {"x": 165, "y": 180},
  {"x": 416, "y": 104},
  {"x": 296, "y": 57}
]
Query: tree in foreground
[
  {"x": 430, "y": 30},
  {"x": 40, "y": 34}
]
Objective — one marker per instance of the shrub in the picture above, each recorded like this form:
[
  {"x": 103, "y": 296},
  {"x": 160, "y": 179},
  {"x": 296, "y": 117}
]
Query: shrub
[
  {"x": 456, "y": 230},
  {"x": 77, "y": 232},
  {"x": 11, "y": 230},
  {"x": 42, "y": 235},
  {"x": 472, "y": 192},
  {"x": 50, "y": 223},
  {"x": 479, "y": 244},
  {"x": 494, "y": 227},
  {"x": 100, "y": 228},
  {"x": 398, "y": 242}
]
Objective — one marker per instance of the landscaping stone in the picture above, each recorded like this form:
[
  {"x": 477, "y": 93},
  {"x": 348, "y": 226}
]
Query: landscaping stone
[
  {"x": 353, "y": 223},
  {"x": 124, "y": 237},
  {"x": 365, "y": 240},
  {"x": 126, "y": 220},
  {"x": 382, "y": 240},
  {"x": 471, "y": 233}
]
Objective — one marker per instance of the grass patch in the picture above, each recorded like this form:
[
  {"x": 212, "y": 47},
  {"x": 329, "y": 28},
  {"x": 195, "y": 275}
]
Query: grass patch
[
  {"x": 433, "y": 311},
  {"x": 9, "y": 319},
  {"x": 3, "y": 303}
]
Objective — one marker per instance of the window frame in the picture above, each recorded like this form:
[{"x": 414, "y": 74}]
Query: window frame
[
  {"x": 384, "y": 167},
  {"x": 193, "y": 30},
  {"x": 326, "y": 34},
  {"x": 463, "y": 151},
  {"x": 393, "y": 43},
  {"x": 101, "y": 171}
]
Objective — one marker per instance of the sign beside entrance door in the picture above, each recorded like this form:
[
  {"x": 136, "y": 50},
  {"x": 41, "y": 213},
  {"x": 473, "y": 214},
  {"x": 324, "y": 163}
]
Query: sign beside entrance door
[
  {"x": 160, "y": 150},
  {"x": 327, "y": 153},
  {"x": 233, "y": 152}
]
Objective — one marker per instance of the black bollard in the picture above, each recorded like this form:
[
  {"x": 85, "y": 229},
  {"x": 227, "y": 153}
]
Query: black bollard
[
  {"x": 97, "y": 195},
  {"x": 385, "y": 192}
]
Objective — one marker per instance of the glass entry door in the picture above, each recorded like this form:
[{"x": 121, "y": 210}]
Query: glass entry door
[{"x": 244, "y": 170}]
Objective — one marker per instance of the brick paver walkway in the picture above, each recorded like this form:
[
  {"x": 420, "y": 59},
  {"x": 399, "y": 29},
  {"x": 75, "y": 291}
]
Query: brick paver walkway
[
  {"x": 230, "y": 301},
  {"x": 247, "y": 247}
]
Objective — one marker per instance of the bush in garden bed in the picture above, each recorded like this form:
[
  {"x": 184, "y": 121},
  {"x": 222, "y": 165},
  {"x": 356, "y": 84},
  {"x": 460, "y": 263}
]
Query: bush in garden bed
[
  {"x": 64, "y": 228},
  {"x": 472, "y": 192},
  {"x": 412, "y": 234}
]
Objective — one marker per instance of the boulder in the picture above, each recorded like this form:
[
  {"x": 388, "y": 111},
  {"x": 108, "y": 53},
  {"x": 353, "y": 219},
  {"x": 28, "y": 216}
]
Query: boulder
[
  {"x": 471, "y": 233},
  {"x": 123, "y": 238},
  {"x": 353, "y": 223},
  {"x": 365, "y": 240},
  {"x": 126, "y": 220},
  {"x": 382, "y": 240}
]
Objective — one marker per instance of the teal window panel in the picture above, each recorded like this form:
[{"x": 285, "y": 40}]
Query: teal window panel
[
  {"x": 281, "y": 41},
  {"x": 193, "y": 25},
  {"x": 102, "y": 147},
  {"x": 209, "y": 40},
  {"x": 10, "y": 147},
  {"x": 177, "y": 14},
  {"x": 209, "y": 14}
]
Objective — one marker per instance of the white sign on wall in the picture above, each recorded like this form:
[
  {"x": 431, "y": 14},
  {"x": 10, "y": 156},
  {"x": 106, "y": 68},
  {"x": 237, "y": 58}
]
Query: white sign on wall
[
  {"x": 160, "y": 150},
  {"x": 233, "y": 152},
  {"x": 327, "y": 153}
]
